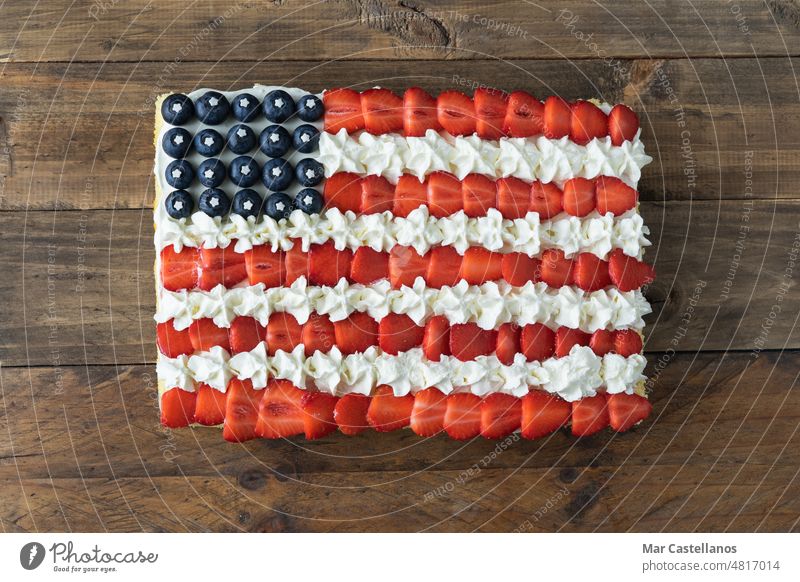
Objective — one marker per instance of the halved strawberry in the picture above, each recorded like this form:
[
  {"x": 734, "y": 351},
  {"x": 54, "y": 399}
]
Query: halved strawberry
[
  {"x": 501, "y": 414},
  {"x": 602, "y": 342},
  {"x": 456, "y": 113},
  {"x": 490, "y": 111},
  {"x": 479, "y": 194},
  {"x": 444, "y": 267},
  {"x": 623, "y": 123},
  {"x": 508, "y": 344},
  {"x": 427, "y": 414},
  {"x": 626, "y": 410},
  {"x": 383, "y": 111},
  {"x": 342, "y": 110},
  {"x": 265, "y": 266},
  {"x": 566, "y": 338},
  {"x": 171, "y": 342},
  {"x": 556, "y": 269},
  {"x": 627, "y": 342},
  {"x": 468, "y": 341},
  {"x": 296, "y": 262},
  {"x": 221, "y": 267},
  {"x": 350, "y": 413},
  {"x": 462, "y": 419},
  {"x": 356, "y": 333},
  {"x": 205, "y": 334},
  {"x": 628, "y": 273},
  {"x": 326, "y": 265},
  {"x": 543, "y": 414},
  {"x": 578, "y": 196},
  {"x": 179, "y": 270},
  {"x": 241, "y": 411},
  {"x": 177, "y": 408},
  {"x": 513, "y": 197},
  {"x": 388, "y": 412},
  {"x": 283, "y": 333},
  {"x": 589, "y": 415},
  {"x": 343, "y": 191},
  {"x": 398, "y": 333},
  {"x": 524, "y": 115},
  {"x": 209, "y": 410},
  {"x": 419, "y": 113},
  {"x": 557, "y": 117},
  {"x": 588, "y": 122},
  {"x": 280, "y": 412},
  {"x": 519, "y": 268},
  {"x": 377, "y": 195},
  {"x": 614, "y": 196},
  {"x": 590, "y": 273},
  {"x": 537, "y": 342},
  {"x": 368, "y": 266},
  {"x": 409, "y": 194},
  {"x": 436, "y": 340},
  {"x": 318, "y": 418},
  {"x": 318, "y": 334},
  {"x": 479, "y": 266},
  {"x": 245, "y": 334},
  {"x": 444, "y": 194},
  {"x": 405, "y": 265},
  {"x": 546, "y": 199}
]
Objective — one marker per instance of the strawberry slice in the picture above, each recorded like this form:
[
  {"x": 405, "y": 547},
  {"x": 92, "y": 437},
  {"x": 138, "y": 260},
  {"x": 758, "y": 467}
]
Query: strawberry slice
[
  {"x": 177, "y": 408},
  {"x": 398, "y": 333},
  {"x": 547, "y": 199},
  {"x": 479, "y": 194},
  {"x": 265, "y": 266},
  {"x": 368, "y": 266},
  {"x": 556, "y": 269},
  {"x": 614, "y": 196},
  {"x": 388, "y": 412},
  {"x": 480, "y": 265},
  {"x": 179, "y": 270},
  {"x": 436, "y": 341},
  {"x": 427, "y": 414},
  {"x": 204, "y": 334},
  {"x": 627, "y": 342},
  {"x": 627, "y": 273},
  {"x": 377, "y": 195},
  {"x": 209, "y": 410},
  {"x": 508, "y": 344},
  {"x": 444, "y": 194},
  {"x": 383, "y": 111},
  {"x": 537, "y": 342},
  {"x": 245, "y": 334},
  {"x": 519, "y": 268},
  {"x": 524, "y": 115},
  {"x": 627, "y": 410},
  {"x": 588, "y": 122},
  {"x": 280, "y": 413},
  {"x": 356, "y": 333},
  {"x": 490, "y": 111},
  {"x": 409, "y": 194},
  {"x": 405, "y": 265},
  {"x": 318, "y": 417},
  {"x": 350, "y": 413},
  {"x": 578, "y": 196},
  {"x": 543, "y": 414},
  {"x": 444, "y": 267},
  {"x": 590, "y": 273},
  {"x": 456, "y": 113},
  {"x": 468, "y": 341},
  {"x": 462, "y": 419},
  {"x": 602, "y": 342},
  {"x": 589, "y": 415},
  {"x": 501, "y": 414},
  {"x": 419, "y": 113},
  {"x": 566, "y": 338},
  {"x": 318, "y": 334},
  {"x": 296, "y": 263},
  {"x": 326, "y": 265},
  {"x": 241, "y": 411},
  {"x": 623, "y": 124},
  {"x": 343, "y": 191},
  {"x": 171, "y": 342},
  {"x": 221, "y": 267},
  {"x": 342, "y": 110},
  {"x": 283, "y": 333},
  {"x": 557, "y": 117},
  {"x": 513, "y": 197}
]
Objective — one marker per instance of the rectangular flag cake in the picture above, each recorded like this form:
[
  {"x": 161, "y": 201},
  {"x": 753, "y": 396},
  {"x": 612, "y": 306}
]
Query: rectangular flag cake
[{"x": 365, "y": 261}]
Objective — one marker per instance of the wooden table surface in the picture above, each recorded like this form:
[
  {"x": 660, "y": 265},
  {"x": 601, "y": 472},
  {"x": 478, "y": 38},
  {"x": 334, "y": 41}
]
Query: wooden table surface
[{"x": 715, "y": 85}]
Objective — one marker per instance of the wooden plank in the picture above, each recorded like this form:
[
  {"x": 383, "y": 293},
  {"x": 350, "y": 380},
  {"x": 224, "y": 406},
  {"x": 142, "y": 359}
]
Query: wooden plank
[{"x": 79, "y": 136}]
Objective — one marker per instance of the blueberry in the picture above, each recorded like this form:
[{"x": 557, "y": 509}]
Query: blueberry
[
  {"x": 309, "y": 201},
  {"x": 305, "y": 138},
  {"x": 275, "y": 141},
  {"x": 179, "y": 174},
  {"x": 211, "y": 173},
  {"x": 177, "y": 109},
  {"x": 214, "y": 202},
  {"x": 277, "y": 174},
  {"x": 278, "y": 206},
  {"x": 212, "y": 108},
  {"x": 245, "y": 107},
  {"x": 241, "y": 139},
  {"x": 176, "y": 142},
  {"x": 247, "y": 202},
  {"x": 208, "y": 143},
  {"x": 310, "y": 108},
  {"x": 309, "y": 172},
  {"x": 179, "y": 204},
  {"x": 278, "y": 106},
  {"x": 244, "y": 171}
]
